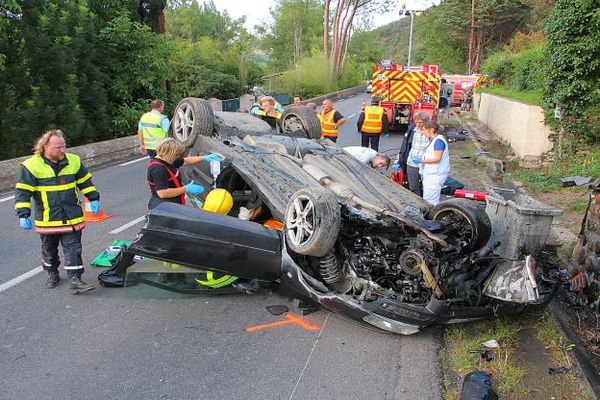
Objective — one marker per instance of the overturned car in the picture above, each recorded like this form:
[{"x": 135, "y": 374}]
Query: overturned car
[{"x": 352, "y": 241}]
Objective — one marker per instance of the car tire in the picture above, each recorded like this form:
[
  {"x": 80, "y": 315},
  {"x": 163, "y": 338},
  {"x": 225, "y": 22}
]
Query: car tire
[
  {"x": 470, "y": 223},
  {"x": 312, "y": 221},
  {"x": 192, "y": 117},
  {"x": 300, "y": 121}
]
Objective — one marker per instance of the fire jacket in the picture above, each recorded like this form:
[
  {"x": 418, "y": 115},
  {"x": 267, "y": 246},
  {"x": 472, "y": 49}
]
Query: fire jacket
[
  {"x": 328, "y": 126},
  {"x": 373, "y": 121},
  {"x": 152, "y": 124},
  {"x": 55, "y": 188}
]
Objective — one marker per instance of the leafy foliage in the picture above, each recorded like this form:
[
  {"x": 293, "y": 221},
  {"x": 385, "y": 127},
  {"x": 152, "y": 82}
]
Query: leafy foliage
[{"x": 573, "y": 31}]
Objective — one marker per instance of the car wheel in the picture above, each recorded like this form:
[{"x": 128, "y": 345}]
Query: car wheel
[
  {"x": 466, "y": 222},
  {"x": 192, "y": 117},
  {"x": 312, "y": 221},
  {"x": 300, "y": 121}
]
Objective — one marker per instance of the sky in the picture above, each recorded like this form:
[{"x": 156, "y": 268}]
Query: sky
[{"x": 257, "y": 11}]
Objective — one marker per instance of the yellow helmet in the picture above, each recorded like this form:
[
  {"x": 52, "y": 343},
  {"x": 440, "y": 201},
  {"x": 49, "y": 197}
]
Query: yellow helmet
[{"x": 218, "y": 201}]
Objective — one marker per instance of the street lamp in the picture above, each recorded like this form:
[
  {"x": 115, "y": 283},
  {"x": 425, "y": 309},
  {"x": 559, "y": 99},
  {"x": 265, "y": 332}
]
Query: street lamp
[{"x": 412, "y": 13}]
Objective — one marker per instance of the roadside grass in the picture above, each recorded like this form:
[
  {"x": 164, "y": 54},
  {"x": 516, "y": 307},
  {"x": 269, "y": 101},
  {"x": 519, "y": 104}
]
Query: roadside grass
[
  {"x": 529, "y": 97},
  {"x": 515, "y": 375},
  {"x": 459, "y": 340},
  {"x": 584, "y": 163},
  {"x": 568, "y": 385}
]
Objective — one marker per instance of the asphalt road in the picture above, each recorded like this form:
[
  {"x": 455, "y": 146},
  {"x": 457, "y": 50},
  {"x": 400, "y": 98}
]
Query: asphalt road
[{"x": 142, "y": 342}]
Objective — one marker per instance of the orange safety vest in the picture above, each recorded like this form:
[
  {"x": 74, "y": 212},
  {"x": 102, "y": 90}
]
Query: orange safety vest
[
  {"x": 373, "y": 120},
  {"x": 327, "y": 123}
]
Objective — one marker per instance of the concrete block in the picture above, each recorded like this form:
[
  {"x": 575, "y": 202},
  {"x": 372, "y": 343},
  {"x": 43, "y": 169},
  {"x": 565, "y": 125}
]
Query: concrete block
[{"x": 216, "y": 104}]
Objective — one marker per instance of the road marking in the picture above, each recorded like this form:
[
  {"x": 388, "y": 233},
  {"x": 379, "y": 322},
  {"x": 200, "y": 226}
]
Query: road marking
[
  {"x": 128, "y": 225},
  {"x": 352, "y": 115},
  {"x": 7, "y": 198},
  {"x": 19, "y": 279},
  {"x": 290, "y": 319},
  {"x": 133, "y": 161},
  {"x": 309, "y": 356}
]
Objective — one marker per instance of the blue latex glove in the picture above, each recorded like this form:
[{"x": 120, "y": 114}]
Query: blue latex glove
[
  {"x": 416, "y": 159},
  {"x": 212, "y": 157},
  {"x": 95, "y": 205},
  {"x": 25, "y": 223},
  {"x": 386, "y": 135},
  {"x": 396, "y": 167},
  {"x": 193, "y": 188}
]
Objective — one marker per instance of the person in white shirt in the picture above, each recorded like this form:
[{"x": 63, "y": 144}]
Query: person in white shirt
[
  {"x": 435, "y": 163},
  {"x": 368, "y": 156}
]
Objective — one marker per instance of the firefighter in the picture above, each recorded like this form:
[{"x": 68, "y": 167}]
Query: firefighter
[
  {"x": 268, "y": 111},
  {"x": 54, "y": 178},
  {"x": 331, "y": 121},
  {"x": 152, "y": 128},
  {"x": 372, "y": 122},
  {"x": 257, "y": 109}
]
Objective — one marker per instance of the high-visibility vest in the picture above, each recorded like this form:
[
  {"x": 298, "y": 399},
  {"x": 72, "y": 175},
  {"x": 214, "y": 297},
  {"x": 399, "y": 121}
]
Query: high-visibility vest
[
  {"x": 56, "y": 196},
  {"x": 373, "y": 120},
  {"x": 152, "y": 130},
  {"x": 327, "y": 123}
]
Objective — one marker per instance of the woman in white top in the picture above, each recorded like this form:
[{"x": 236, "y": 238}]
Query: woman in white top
[{"x": 435, "y": 163}]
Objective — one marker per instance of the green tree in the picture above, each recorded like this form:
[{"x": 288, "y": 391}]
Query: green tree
[
  {"x": 296, "y": 27},
  {"x": 573, "y": 32}
]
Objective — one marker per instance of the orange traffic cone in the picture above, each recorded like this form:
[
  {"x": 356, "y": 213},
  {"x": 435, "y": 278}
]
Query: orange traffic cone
[{"x": 89, "y": 215}]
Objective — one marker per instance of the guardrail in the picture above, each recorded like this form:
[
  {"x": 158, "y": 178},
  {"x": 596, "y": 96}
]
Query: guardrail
[{"x": 110, "y": 151}]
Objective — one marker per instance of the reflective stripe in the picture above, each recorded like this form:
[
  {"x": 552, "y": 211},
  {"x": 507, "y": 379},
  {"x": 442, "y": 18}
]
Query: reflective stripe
[
  {"x": 88, "y": 189},
  {"x": 56, "y": 188},
  {"x": 59, "y": 223},
  {"x": 327, "y": 123},
  {"x": 85, "y": 178},
  {"x": 72, "y": 267},
  {"x": 23, "y": 204},
  {"x": 59, "y": 229},
  {"x": 373, "y": 120},
  {"x": 45, "y": 207},
  {"x": 23, "y": 186},
  {"x": 216, "y": 283}
]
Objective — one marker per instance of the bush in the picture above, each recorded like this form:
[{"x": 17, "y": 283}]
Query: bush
[
  {"x": 529, "y": 68},
  {"x": 499, "y": 66}
]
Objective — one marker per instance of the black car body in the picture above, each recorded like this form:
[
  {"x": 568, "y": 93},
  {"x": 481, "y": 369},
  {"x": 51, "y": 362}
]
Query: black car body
[{"x": 354, "y": 242}]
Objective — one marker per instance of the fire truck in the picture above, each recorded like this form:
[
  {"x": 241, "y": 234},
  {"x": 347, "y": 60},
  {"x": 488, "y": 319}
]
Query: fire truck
[
  {"x": 462, "y": 82},
  {"x": 405, "y": 91}
]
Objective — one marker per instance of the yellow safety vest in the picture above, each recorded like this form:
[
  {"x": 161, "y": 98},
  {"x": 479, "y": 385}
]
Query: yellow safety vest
[
  {"x": 56, "y": 196},
  {"x": 373, "y": 120},
  {"x": 152, "y": 130},
  {"x": 327, "y": 123}
]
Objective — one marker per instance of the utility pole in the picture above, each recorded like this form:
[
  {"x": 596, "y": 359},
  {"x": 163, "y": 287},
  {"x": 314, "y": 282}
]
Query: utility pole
[
  {"x": 472, "y": 38},
  {"x": 412, "y": 18}
]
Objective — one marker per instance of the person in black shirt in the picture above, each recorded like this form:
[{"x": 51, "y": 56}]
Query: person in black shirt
[{"x": 163, "y": 173}]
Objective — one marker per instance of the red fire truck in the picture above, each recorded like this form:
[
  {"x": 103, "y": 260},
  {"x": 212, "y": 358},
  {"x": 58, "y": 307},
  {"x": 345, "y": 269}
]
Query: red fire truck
[
  {"x": 462, "y": 82},
  {"x": 405, "y": 91}
]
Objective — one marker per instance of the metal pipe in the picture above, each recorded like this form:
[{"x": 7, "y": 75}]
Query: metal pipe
[{"x": 412, "y": 17}]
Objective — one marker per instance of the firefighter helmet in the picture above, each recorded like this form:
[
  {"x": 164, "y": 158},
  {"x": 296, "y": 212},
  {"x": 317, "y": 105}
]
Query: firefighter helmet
[{"x": 218, "y": 201}]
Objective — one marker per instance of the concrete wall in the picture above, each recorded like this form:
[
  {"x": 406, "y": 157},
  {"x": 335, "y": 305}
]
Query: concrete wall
[
  {"x": 518, "y": 124},
  {"x": 93, "y": 154}
]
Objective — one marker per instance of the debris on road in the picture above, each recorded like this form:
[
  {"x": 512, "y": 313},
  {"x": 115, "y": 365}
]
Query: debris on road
[
  {"x": 478, "y": 386},
  {"x": 570, "y": 181}
]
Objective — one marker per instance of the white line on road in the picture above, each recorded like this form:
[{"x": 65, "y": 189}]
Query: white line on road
[
  {"x": 309, "y": 356},
  {"x": 127, "y": 225},
  {"x": 352, "y": 115},
  {"x": 133, "y": 161},
  {"x": 19, "y": 279},
  {"x": 7, "y": 198}
]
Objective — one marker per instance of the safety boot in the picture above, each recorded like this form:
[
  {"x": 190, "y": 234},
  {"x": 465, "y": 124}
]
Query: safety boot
[
  {"x": 52, "y": 279},
  {"x": 79, "y": 286}
]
